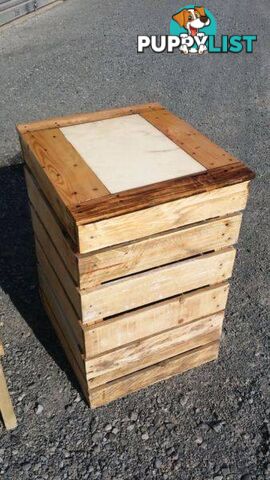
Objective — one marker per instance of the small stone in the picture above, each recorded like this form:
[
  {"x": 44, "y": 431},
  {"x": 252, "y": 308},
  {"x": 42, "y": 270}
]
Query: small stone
[
  {"x": 204, "y": 427},
  {"x": 130, "y": 427},
  {"x": 247, "y": 476},
  {"x": 108, "y": 427},
  {"x": 170, "y": 451},
  {"x": 183, "y": 401},
  {"x": 225, "y": 471},
  {"x": 2, "y": 451},
  {"x": 199, "y": 440},
  {"x": 217, "y": 427},
  {"x": 96, "y": 437},
  {"x": 218, "y": 477},
  {"x": 21, "y": 397},
  {"x": 26, "y": 466},
  {"x": 115, "y": 430},
  {"x": 145, "y": 436},
  {"x": 158, "y": 463},
  {"x": 39, "y": 409},
  {"x": 134, "y": 417}
]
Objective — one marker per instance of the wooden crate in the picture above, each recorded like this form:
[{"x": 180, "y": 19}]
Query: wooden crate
[{"x": 135, "y": 215}]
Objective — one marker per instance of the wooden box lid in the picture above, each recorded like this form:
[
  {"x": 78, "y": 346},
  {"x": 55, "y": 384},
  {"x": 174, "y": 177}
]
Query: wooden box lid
[{"x": 99, "y": 165}]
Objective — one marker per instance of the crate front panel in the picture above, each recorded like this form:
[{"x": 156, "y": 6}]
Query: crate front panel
[
  {"x": 161, "y": 218},
  {"x": 148, "y": 376},
  {"x": 108, "y": 387},
  {"x": 148, "y": 351},
  {"x": 143, "y": 288},
  {"x": 161, "y": 249},
  {"x": 150, "y": 320},
  {"x": 115, "y": 262}
]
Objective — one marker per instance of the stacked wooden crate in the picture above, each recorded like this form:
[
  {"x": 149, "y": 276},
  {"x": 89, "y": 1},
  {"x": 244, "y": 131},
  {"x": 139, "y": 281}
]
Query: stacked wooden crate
[{"x": 135, "y": 215}]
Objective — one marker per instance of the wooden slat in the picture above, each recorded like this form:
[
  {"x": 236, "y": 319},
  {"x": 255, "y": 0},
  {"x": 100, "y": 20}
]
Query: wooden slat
[
  {"x": 56, "y": 261},
  {"x": 69, "y": 354},
  {"x": 77, "y": 118},
  {"x": 137, "y": 256},
  {"x": 141, "y": 354},
  {"x": 163, "y": 217},
  {"x": 6, "y": 408},
  {"x": 163, "y": 370},
  {"x": 54, "y": 198},
  {"x": 1, "y": 349},
  {"x": 160, "y": 193},
  {"x": 148, "y": 321},
  {"x": 144, "y": 288},
  {"x": 71, "y": 177},
  {"x": 66, "y": 327},
  {"x": 67, "y": 307},
  {"x": 186, "y": 137},
  {"x": 45, "y": 213}
]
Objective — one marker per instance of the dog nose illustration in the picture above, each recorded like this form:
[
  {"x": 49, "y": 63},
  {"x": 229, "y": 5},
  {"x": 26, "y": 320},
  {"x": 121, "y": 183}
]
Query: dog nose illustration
[{"x": 204, "y": 18}]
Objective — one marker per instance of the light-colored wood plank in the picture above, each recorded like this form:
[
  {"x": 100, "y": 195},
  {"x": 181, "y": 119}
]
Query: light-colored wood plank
[
  {"x": 66, "y": 347},
  {"x": 77, "y": 118},
  {"x": 128, "y": 152},
  {"x": 56, "y": 261},
  {"x": 44, "y": 182},
  {"x": 67, "y": 307},
  {"x": 6, "y": 408},
  {"x": 147, "y": 321},
  {"x": 153, "y": 359},
  {"x": 150, "y": 221},
  {"x": 163, "y": 370},
  {"x": 144, "y": 288},
  {"x": 1, "y": 349},
  {"x": 151, "y": 350},
  {"x": 158, "y": 250},
  {"x": 63, "y": 322},
  {"x": 193, "y": 142},
  {"x": 49, "y": 220}
]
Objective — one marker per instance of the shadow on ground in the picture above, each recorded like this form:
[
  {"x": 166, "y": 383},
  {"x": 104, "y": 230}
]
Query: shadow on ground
[{"x": 18, "y": 273}]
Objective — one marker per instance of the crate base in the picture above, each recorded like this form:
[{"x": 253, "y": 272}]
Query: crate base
[{"x": 120, "y": 387}]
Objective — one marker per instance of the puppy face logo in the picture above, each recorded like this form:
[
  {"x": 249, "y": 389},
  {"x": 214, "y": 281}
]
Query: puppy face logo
[
  {"x": 193, "y": 24},
  {"x": 192, "y": 19}
]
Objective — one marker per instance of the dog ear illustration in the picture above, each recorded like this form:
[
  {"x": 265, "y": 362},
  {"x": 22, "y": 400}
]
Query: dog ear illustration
[
  {"x": 181, "y": 18},
  {"x": 203, "y": 16},
  {"x": 200, "y": 10}
]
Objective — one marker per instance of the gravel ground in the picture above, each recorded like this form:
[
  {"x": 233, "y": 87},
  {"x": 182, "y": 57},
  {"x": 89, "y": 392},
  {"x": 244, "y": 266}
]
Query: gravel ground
[{"x": 209, "y": 424}]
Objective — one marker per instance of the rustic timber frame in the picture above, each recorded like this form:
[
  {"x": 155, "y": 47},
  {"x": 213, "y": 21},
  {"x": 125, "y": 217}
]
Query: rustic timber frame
[{"x": 135, "y": 283}]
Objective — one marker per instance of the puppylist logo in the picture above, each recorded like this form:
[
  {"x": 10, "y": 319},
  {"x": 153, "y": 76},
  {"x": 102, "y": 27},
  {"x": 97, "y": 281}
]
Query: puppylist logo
[{"x": 193, "y": 29}]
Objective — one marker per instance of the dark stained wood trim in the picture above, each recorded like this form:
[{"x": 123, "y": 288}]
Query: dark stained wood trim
[
  {"x": 158, "y": 193},
  {"x": 197, "y": 145}
]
